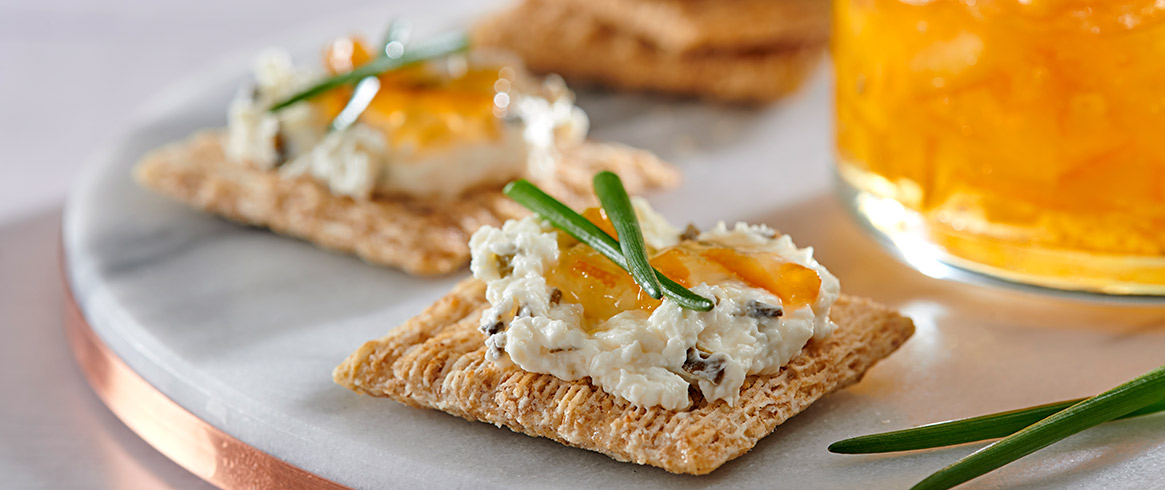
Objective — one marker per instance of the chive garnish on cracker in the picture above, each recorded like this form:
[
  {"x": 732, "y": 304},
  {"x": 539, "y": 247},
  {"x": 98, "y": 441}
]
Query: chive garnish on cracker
[
  {"x": 618, "y": 206},
  {"x": 565, "y": 219},
  {"x": 431, "y": 49},
  {"x": 395, "y": 39}
]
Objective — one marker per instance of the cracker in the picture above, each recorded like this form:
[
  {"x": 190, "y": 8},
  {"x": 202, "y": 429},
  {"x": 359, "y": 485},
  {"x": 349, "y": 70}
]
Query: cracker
[
  {"x": 713, "y": 25},
  {"x": 556, "y": 38},
  {"x": 421, "y": 236},
  {"x": 437, "y": 360}
]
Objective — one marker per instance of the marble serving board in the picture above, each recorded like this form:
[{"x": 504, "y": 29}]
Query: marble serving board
[{"x": 243, "y": 327}]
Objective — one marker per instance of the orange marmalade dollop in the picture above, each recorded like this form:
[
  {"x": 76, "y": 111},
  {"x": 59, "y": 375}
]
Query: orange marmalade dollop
[
  {"x": 585, "y": 277},
  {"x": 432, "y": 104}
]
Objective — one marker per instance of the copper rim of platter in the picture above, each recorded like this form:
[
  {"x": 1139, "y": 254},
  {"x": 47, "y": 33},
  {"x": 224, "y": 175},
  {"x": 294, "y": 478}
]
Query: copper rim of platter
[{"x": 194, "y": 444}]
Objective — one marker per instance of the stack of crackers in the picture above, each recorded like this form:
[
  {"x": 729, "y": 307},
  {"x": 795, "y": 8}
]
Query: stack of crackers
[{"x": 731, "y": 50}]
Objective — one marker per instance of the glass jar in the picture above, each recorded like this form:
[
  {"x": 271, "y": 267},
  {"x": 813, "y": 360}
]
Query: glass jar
[{"x": 1023, "y": 139}]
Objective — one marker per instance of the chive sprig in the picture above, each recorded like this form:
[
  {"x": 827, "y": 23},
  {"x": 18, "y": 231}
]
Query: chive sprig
[
  {"x": 617, "y": 203},
  {"x": 1143, "y": 395},
  {"x": 962, "y": 431},
  {"x": 567, "y": 220},
  {"x": 362, "y": 96},
  {"x": 395, "y": 39},
  {"x": 433, "y": 48},
  {"x": 1141, "y": 392}
]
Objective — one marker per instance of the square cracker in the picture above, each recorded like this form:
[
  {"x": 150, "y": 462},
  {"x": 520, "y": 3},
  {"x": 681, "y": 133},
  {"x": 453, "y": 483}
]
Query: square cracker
[
  {"x": 437, "y": 360},
  {"x": 421, "y": 236},
  {"x": 684, "y": 26},
  {"x": 554, "y": 37}
]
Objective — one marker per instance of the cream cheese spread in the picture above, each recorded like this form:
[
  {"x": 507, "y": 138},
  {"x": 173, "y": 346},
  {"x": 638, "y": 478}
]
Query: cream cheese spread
[
  {"x": 536, "y": 118},
  {"x": 648, "y": 358},
  {"x": 260, "y": 137}
]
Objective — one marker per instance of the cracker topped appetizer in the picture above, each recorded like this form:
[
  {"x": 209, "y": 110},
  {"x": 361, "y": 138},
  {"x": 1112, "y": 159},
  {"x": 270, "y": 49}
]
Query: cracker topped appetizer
[
  {"x": 678, "y": 349},
  {"x": 395, "y": 152}
]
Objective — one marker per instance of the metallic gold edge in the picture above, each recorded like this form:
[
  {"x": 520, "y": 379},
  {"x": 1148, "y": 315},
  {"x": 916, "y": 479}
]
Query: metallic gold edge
[{"x": 197, "y": 446}]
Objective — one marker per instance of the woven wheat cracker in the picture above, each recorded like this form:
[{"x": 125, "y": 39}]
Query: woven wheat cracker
[
  {"x": 421, "y": 236},
  {"x": 437, "y": 360},
  {"x": 684, "y": 26},
  {"x": 558, "y": 38}
]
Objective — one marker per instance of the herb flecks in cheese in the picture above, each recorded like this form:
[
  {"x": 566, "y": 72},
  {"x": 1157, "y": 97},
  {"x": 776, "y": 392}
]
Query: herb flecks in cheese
[{"x": 558, "y": 307}]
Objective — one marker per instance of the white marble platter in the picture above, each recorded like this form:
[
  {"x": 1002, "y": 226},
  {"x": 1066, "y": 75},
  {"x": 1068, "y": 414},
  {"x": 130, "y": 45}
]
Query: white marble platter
[{"x": 242, "y": 327}]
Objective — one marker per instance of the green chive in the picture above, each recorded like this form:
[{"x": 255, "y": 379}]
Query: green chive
[
  {"x": 367, "y": 88},
  {"x": 618, "y": 205},
  {"x": 565, "y": 219},
  {"x": 1137, "y": 394},
  {"x": 398, "y": 31},
  {"x": 362, "y": 95},
  {"x": 434, "y": 48},
  {"x": 962, "y": 431}
]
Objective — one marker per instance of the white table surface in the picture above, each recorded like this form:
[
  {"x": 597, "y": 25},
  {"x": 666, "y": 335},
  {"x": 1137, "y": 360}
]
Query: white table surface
[{"x": 71, "y": 72}]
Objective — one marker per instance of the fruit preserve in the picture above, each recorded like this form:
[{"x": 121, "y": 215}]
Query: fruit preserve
[
  {"x": 1024, "y": 139},
  {"x": 585, "y": 277},
  {"x": 425, "y": 105}
]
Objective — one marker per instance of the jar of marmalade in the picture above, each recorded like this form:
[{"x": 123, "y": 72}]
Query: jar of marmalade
[{"x": 1023, "y": 139}]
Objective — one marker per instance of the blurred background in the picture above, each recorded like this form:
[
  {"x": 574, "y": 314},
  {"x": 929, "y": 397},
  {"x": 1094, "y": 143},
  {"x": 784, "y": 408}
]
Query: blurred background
[{"x": 72, "y": 72}]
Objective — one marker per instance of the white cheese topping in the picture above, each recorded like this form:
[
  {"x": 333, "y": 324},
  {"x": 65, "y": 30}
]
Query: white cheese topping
[
  {"x": 360, "y": 162},
  {"x": 254, "y": 132},
  {"x": 348, "y": 161},
  {"x": 637, "y": 355}
]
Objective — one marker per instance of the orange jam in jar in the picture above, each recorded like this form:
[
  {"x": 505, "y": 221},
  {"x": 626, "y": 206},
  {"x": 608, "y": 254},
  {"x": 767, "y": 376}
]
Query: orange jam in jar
[
  {"x": 431, "y": 104},
  {"x": 1023, "y": 139},
  {"x": 586, "y": 277}
]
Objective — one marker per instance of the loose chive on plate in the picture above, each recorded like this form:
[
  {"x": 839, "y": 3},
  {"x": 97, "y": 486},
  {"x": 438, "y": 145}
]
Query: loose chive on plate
[
  {"x": 1049, "y": 423},
  {"x": 961, "y": 431},
  {"x": 1137, "y": 394}
]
